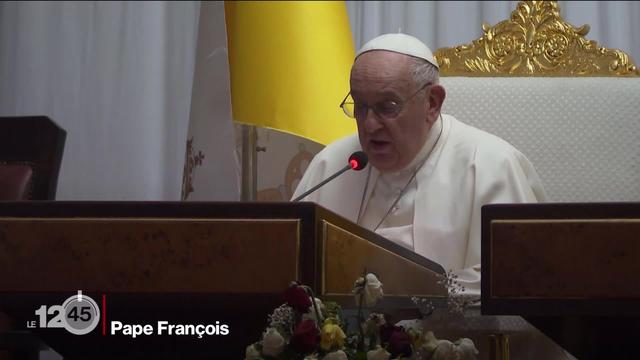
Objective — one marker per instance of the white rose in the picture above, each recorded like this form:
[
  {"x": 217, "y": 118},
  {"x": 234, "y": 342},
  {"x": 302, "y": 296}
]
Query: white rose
[
  {"x": 378, "y": 354},
  {"x": 466, "y": 349},
  {"x": 373, "y": 323},
  {"x": 430, "y": 343},
  {"x": 252, "y": 353},
  {"x": 311, "y": 313},
  {"x": 311, "y": 357},
  {"x": 445, "y": 351},
  {"x": 462, "y": 349},
  {"x": 372, "y": 290},
  {"x": 272, "y": 343},
  {"x": 336, "y": 355}
]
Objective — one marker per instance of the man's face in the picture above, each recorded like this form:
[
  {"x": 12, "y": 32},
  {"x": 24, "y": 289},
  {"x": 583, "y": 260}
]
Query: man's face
[{"x": 380, "y": 77}]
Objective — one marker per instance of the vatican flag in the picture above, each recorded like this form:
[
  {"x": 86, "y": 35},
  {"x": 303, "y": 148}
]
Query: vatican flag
[
  {"x": 211, "y": 168},
  {"x": 290, "y": 64}
]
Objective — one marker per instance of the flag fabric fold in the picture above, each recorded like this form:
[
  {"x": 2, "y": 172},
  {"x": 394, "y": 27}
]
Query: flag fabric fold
[
  {"x": 289, "y": 64},
  {"x": 211, "y": 169}
]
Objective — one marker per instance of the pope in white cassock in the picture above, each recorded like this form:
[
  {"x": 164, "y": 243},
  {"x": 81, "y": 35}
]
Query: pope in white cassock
[{"x": 428, "y": 174}]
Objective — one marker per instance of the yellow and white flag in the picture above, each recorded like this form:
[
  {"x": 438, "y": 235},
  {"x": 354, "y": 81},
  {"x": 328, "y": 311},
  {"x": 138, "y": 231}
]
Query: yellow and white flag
[{"x": 290, "y": 63}]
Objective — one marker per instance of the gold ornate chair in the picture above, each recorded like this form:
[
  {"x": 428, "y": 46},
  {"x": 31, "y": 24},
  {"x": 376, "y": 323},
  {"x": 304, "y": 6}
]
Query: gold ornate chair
[{"x": 569, "y": 105}]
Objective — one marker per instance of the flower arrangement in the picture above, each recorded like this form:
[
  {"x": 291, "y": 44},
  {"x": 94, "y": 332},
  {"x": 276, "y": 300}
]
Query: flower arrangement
[{"x": 305, "y": 328}]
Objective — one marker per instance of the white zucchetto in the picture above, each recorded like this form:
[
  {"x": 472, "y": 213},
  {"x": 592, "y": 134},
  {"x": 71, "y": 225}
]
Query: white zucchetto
[{"x": 400, "y": 43}]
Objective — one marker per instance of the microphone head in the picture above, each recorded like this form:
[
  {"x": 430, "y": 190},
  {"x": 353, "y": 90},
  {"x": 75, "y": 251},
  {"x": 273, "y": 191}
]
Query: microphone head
[{"x": 358, "y": 160}]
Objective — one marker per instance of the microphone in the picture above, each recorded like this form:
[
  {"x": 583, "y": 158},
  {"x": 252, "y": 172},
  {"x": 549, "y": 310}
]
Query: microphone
[{"x": 357, "y": 161}]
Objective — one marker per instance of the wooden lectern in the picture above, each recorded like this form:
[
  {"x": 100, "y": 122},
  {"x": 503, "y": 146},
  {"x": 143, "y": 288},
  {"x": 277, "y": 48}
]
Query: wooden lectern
[
  {"x": 570, "y": 269},
  {"x": 189, "y": 263}
]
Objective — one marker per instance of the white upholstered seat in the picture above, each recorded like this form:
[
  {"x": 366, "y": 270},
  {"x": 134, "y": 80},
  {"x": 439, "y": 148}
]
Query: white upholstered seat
[
  {"x": 571, "y": 106},
  {"x": 582, "y": 134}
]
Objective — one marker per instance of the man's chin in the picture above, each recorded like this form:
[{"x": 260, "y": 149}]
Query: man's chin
[{"x": 383, "y": 163}]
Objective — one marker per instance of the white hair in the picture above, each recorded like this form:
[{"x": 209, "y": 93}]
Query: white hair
[{"x": 423, "y": 72}]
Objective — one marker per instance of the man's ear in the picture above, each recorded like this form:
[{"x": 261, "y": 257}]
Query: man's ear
[{"x": 436, "y": 98}]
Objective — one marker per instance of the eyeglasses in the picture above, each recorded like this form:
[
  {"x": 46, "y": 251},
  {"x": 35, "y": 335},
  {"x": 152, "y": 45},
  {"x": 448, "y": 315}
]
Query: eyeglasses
[{"x": 387, "y": 109}]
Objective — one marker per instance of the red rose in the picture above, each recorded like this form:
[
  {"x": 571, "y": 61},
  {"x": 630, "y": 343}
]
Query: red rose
[
  {"x": 386, "y": 331},
  {"x": 305, "y": 337},
  {"x": 400, "y": 344},
  {"x": 297, "y": 298}
]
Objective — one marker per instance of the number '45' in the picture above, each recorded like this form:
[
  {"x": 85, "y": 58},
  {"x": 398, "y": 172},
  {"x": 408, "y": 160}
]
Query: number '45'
[{"x": 85, "y": 314}]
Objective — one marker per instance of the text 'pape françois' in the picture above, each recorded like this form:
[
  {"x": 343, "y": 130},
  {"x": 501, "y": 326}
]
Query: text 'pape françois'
[{"x": 165, "y": 328}]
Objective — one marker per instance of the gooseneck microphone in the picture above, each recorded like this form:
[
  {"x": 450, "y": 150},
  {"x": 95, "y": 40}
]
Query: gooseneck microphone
[{"x": 357, "y": 161}]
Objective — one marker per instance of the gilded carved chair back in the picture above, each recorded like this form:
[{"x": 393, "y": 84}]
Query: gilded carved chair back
[
  {"x": 535, "y": 41},
  {"x": 571, "y": 106}
]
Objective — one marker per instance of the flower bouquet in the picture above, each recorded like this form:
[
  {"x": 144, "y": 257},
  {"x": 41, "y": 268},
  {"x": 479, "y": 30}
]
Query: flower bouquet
[{"x": 305, "y": 328}]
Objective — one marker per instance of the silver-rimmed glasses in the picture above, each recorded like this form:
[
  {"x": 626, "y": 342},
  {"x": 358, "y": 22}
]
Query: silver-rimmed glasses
[{"x": 387, "y": 109}]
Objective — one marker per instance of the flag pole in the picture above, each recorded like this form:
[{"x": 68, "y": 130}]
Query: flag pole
[{"x": 249, "y": 188}]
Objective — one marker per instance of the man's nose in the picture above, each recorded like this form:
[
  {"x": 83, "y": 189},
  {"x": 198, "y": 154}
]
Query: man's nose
[{"x": 371, "y": 121}]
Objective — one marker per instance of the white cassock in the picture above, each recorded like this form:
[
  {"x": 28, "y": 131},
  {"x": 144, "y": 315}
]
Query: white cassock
[{"x": 437, "y": 212}]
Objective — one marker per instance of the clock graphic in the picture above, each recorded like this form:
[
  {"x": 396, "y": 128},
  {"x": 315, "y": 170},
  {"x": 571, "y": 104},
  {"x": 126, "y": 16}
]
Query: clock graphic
[{"x": 81, "y": 314}]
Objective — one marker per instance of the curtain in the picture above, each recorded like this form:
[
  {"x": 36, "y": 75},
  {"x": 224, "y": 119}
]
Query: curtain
[
  {"x": 117, "y": 76},
  {"x": 614, "y": 24}
]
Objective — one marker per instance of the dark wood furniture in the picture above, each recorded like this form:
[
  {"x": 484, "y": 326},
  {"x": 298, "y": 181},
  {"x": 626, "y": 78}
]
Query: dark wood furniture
[
  {"x": 570, "y": 269},
  {"x": 15, "y": 181},
  {"x": 31, "y": 149},
  {"x": 189, "y": 263},
  {"x": 36, "y": 142}
]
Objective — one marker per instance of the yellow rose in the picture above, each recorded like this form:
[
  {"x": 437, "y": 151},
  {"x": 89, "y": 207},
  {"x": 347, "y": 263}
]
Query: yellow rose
[
  {"x": 416, "y": 338},
  {"x": 332, "y": 336}
]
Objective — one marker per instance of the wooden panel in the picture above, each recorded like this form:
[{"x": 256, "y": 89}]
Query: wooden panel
[
  {"x": 148, "y": 255},
  {"x": 565, "y": 259},
  {"x": 346, "y": 256}
]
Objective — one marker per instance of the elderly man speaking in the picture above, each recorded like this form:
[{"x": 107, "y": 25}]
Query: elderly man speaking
[{"x": 428, "y": 174}]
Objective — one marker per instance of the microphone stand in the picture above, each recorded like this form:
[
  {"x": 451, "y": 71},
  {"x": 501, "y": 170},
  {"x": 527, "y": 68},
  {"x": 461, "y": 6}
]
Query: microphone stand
[{"x": 322, "y": 183}]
